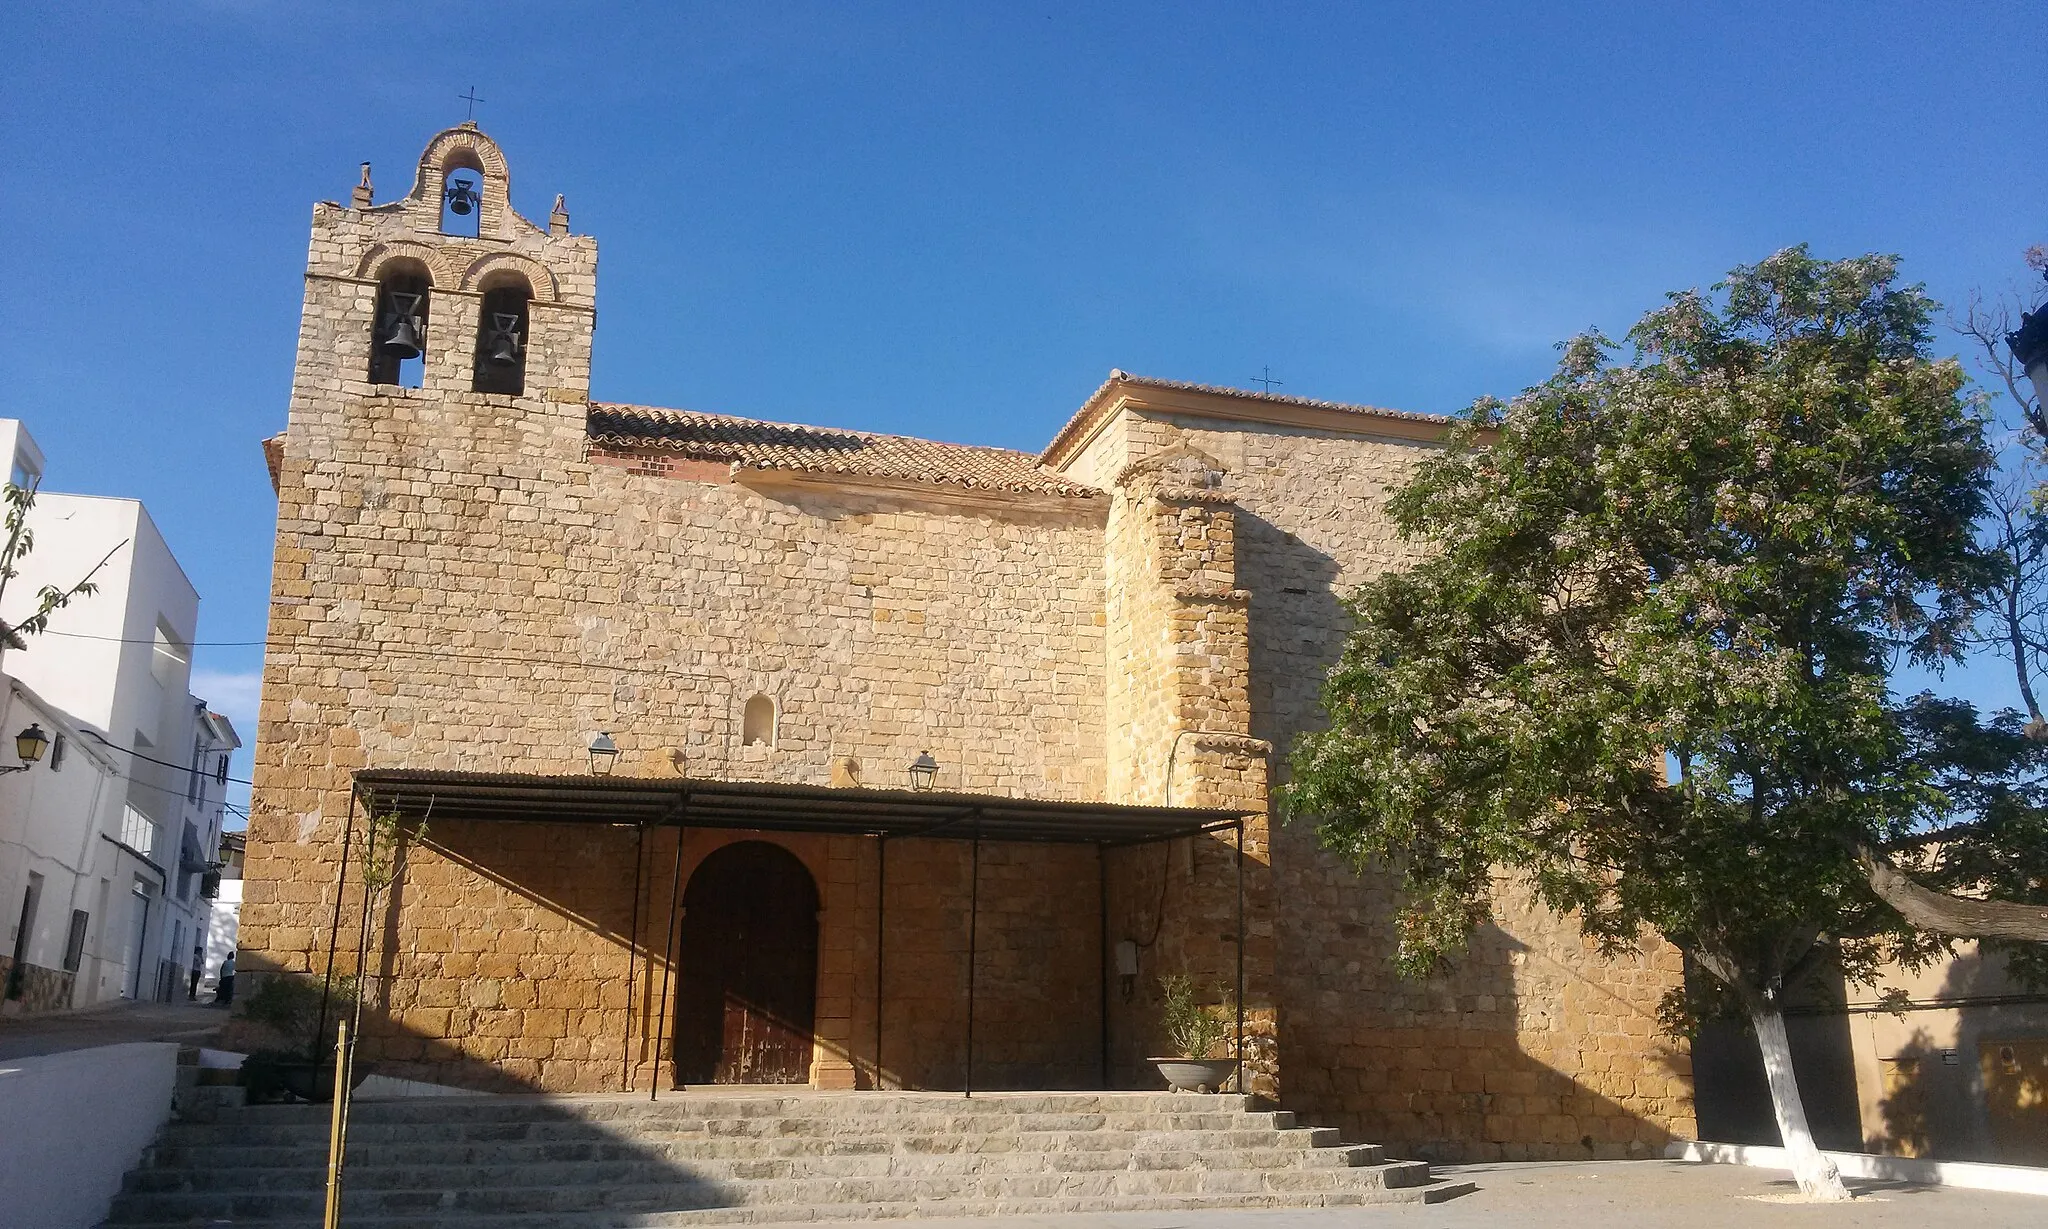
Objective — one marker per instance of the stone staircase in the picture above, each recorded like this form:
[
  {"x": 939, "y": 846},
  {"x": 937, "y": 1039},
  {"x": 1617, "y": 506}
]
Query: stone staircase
[{"x": 701, "y": 1158}]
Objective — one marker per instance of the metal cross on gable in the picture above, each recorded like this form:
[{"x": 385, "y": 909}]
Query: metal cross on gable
[
  {"x": 1265, "y": 379},
  {"x": 472, "y": 100}
]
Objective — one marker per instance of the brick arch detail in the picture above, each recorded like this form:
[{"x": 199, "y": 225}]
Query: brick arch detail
[
  {"x": 498, "y": 220},
  {"x": 537, "y": 275},
  {"x": 441, "y": 270}
]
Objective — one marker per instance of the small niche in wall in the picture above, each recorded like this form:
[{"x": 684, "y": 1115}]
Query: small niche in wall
[{"x": 757, "y": 722}]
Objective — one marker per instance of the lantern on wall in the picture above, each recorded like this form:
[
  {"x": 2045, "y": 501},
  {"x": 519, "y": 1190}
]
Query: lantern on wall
[
  {"x": 923, "y": 771},
  {"x": 603, "y": 754},
  {"x": 29, "y": 745}
]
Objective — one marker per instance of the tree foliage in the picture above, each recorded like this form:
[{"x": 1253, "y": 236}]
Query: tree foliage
[{"x": 1642, "y": 665}]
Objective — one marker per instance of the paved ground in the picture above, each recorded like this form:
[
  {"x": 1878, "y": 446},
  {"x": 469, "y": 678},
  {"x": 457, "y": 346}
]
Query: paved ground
[
  {"x": 1601, "y": 1195},
  {"x": 112, "y": 1024}
]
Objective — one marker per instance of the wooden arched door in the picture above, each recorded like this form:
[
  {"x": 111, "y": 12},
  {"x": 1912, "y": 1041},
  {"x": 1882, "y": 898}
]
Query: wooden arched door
[{"x": 745, "y": 1009}]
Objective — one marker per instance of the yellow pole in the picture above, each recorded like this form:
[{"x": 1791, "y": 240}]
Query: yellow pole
[{"x": 334, "y": 1137}]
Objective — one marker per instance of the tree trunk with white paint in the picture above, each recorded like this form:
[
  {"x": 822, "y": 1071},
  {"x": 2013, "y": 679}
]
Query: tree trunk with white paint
[{"x": 1816, "y": 1174}]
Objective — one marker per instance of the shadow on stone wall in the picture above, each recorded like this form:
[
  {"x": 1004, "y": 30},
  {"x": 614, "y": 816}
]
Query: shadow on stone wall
[
  {"x": 1470, "y": 1065},
  {"x": 499, "y": 962},
  {"x": 1733, "y": 1097}
]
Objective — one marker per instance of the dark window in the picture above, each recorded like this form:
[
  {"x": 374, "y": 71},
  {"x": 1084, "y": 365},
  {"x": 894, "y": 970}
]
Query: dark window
[
  {"x": 220, "y": 776},
  {"x": 57, "y": 746}
]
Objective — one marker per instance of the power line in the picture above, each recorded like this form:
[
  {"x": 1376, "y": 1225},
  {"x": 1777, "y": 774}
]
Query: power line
[
  {"x": 196, "y": 644},
  {"x": 114, "y": 746}
]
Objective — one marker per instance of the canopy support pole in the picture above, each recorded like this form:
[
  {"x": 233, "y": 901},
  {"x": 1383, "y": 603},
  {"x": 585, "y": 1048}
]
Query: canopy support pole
[
  {"x": 664, "y": 1007},
  {"x": 1240, "y": 959},
  {"x": 632, "y": 952},
  {"x": 881, "y": 905},
  {"x": 348, "y": 832},
  {"x": 973, "y": 924},
  {"x": 1102, "y": 956}
]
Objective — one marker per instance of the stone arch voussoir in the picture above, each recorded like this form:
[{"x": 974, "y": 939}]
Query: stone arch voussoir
[{"x": 537, "y": 275}]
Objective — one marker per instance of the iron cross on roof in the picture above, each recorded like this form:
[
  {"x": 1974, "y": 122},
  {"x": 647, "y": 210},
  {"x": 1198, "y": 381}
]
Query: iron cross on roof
[
  {"x": 1265, "y": 379},
  {"x": 472, "y": 100}
]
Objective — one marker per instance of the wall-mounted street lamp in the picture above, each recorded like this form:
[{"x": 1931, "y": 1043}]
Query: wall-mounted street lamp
[
  {"x": 923, "y": 771},
  {"x": 29, "y": 745},
  {"x": 603, "y": 754}
]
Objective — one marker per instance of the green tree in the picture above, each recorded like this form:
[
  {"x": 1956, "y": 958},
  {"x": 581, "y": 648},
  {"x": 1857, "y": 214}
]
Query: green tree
[{"x": 1642, "y": 663}]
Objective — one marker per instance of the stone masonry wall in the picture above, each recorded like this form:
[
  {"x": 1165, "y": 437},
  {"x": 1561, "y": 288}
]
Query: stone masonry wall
[
  {"x": 460, "y": 584},
  {"x": 1536, "y": 1046}
]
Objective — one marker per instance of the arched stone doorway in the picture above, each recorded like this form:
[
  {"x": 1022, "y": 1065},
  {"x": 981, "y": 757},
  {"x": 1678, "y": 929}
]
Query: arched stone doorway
[{"x": 749, "y": 955}]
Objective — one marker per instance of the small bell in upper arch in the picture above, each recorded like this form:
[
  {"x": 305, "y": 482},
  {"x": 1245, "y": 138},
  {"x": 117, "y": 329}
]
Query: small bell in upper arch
[
  {"x": 502, "y": 346},
  {"x": 400, "y": 335},
  {"x": 462, "y": 197}
]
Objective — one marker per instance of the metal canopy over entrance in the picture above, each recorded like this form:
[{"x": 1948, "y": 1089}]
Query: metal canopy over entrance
[
  {"x": 774, "y": 807},
  {"x": 417, "y": 795}
]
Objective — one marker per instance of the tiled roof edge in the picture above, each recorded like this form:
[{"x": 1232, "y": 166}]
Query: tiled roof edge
[{"x": 1091, "y": 410}]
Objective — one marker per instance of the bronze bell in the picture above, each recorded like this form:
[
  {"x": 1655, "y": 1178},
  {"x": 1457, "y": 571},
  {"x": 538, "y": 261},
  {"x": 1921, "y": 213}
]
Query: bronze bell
[
  {"x": 461, "y": 197},
  {"x": 503, "y": 344},
  {"x": 401, "y": 333}
]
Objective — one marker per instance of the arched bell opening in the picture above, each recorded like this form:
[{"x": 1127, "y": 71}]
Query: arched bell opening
[
  {"x": 501, "y": 333},
  {"x": 462, "y": 195},
  {"x": 398, "y": 332}
]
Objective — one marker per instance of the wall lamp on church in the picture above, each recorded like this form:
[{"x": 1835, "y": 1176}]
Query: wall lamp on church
[
  {"x": 924, "y": 770},
  {"x": 603, "y": 754},
  {"x": 28, "y": 745}
]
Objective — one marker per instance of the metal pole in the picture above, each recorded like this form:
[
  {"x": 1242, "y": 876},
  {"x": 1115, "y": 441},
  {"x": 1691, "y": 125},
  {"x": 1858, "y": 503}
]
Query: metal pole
[
  {"x": 332, "y": 1217},
  {"x": 1240, "y": 957},
  {"x": 973, "y": 924},
  {"x": 334, "y": 928},
  {"x": 881, "y": 904},
  {"x": 1102, "y": 953},
  {"x": 632, "y": 951},
  {"x": 675, "y": 887}
]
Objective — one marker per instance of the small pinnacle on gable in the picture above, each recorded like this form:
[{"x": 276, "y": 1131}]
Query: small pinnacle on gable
[
  {"x": 364, "y": 193},
  {"x": 558, "y": 217}
]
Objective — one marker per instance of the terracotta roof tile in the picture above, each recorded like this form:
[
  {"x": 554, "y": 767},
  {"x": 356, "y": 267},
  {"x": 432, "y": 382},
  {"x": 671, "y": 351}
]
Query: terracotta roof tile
[{"x": 753, "y": 444}]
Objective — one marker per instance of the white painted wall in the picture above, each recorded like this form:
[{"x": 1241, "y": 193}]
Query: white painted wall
[
  {"x": 50, "y": 818},
  {"x": 98, "y": 663},
  {"x": 74, "y": 1123}
]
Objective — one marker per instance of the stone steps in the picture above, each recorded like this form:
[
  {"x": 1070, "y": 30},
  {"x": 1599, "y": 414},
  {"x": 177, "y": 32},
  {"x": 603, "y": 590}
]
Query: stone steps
[
  {"x": 1214, "y": 1150},
  {"x": 585, "y": 1162}
]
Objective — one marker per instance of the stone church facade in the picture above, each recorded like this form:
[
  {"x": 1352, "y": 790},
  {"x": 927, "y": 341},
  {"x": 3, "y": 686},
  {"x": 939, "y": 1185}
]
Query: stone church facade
[{"x": 479, "y": 571}]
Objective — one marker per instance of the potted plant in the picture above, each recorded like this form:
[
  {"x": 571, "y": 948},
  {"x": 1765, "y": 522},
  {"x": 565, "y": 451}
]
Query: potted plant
[
  {"x": 288, "y": 1006},
  {"x": 1196, "y": 1032}
]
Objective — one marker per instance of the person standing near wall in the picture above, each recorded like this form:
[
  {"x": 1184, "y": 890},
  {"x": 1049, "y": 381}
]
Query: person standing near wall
[{"x": 224, "y": 991}]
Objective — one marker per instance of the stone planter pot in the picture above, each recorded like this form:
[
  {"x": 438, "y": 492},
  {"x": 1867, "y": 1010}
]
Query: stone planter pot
[
  {"x": 312, "y": 1081},
  {"x": 1195, "y": 1074}
]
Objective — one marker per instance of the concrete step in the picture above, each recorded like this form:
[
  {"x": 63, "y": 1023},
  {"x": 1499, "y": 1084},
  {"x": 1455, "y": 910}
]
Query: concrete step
[
  {"x": 584, "y": 1162},
  {"x": 641, "y": 1168},
  {"x": 607, "y": 1107},
  {"x": 224, "y": 1150},
  {"x": 778, "y": 1213},
  {"x": 603, "y": 1193},
  {"x": 254, "y": 1127}
]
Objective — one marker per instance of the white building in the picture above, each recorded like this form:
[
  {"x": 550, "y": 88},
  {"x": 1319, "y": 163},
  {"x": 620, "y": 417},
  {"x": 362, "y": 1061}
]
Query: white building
[{"x": 100, "y": 883}]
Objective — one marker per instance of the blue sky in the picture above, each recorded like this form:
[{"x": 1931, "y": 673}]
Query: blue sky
[{"x": 953, "y": 219}]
